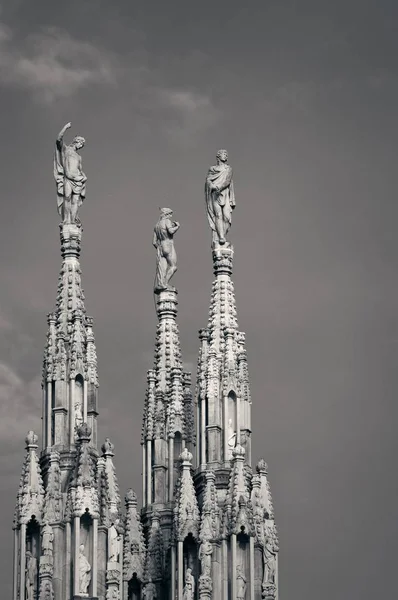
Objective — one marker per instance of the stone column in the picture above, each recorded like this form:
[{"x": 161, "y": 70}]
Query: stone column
[
  {"x": 225, "y": 427},
  {"x": 49, "y": 411},
  {"x": 143, "y": 474},
  {"x": 238, "y": 426},
  {"x": 85, "y": 403},
  {"x": 203, "y": 432},
  {"x": 22, "y": 562},
  {"x": 76, "y": 532},
  {"x": 72, "y": 411},
  {"x": 171, "y": 469},
  {"x": 224, "y": 571},
  {"x": 233, "y": 566},
  {"x": 101, "y": 564},
  {"x": 68, "y": 557},
  {"x": 149, "y": 472},
  {"x": 94, "y": 569},
  {"x": 251, "y": 550},
  {"x": 180, "y": 570},
  {"x": 15, "y": 566},
  {"x": 173, "y": 573}
]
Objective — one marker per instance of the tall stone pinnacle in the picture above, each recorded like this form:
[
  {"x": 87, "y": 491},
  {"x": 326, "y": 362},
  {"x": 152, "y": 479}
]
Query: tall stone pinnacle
[
  {"x": 168, "y": 422},
  {"x": 223, "y": 394},
  {"x": 70, "y": 358}
]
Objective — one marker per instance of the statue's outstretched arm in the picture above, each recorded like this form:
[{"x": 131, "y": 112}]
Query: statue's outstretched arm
[{"x": 62, "y": 132}]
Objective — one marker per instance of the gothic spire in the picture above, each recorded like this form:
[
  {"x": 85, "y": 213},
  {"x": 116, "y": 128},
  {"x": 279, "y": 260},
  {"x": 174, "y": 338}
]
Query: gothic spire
[{"x": 70, "y": 357}]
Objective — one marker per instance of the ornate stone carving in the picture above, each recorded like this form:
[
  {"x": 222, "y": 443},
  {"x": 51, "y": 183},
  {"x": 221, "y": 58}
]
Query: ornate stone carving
[
  {"x": 46, "y": 590},
  {"x": 187, "y": 517},
  {"x": 220, "y": 197},
  {"x": 166, "y": 263},
  {"x": 47, "y": 540},
  {"x": 69, "y": 177}
]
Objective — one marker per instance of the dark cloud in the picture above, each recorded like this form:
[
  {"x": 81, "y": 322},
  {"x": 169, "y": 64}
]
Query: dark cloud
[{"x": 304, "y": 97}]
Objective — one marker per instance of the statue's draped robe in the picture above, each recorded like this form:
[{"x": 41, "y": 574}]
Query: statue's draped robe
[
  {"x": 161, "y": 234},
  {"x": 69, "y": 177},
  {"x": 221, "y": 176}
]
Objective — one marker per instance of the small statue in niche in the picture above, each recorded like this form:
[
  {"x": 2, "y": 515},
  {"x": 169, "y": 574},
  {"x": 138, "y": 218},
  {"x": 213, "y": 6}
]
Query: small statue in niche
[
  {"x": 47, "y": 539},
  {"x": 269, "y": 557},
  {"x": 231, "y": 438},
  {"x": 240, "y": 583},
  {"x": 205, "y": 552},
  {"x": 149, "y": 591},
  {"x": 220, "y": 197},
  {"x": 189, "y": 588},
  {"x": 166, "y": 263},
  {"x": 114, "y": 542},
  {"x": 31, "y": 576},
  {"x": 84, "y": 572},
  {"x": 69, "y": 177}
]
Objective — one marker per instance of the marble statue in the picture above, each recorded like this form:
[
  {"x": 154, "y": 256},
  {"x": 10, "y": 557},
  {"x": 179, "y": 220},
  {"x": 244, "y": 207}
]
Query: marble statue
[
  {"x": 84, "y": 572},
  {"x": 149, "y": 591},
  {"x": 114, "y": 543},
  {"x": 269, "y": 559},
  {"x": 231, "y": 437},
  {"x": 69, "y": 176},
  {"x": 189, "y": 588},
  {"x": 205, "y": 552},
  {"x": 220, "y": 197},
  {"x": 166, "y": 255},
  {"x": 240, "y": 583},
  {"x": 47, "y": 539},
  {"x": 31, "y": 576}
]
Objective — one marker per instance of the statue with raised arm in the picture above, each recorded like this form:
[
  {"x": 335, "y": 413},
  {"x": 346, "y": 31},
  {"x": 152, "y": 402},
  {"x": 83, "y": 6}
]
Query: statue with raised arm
[
  {"x": 69, "y": 176},
  {"x": 166, "y": 264},
  {"x": 220, "y": 197}
]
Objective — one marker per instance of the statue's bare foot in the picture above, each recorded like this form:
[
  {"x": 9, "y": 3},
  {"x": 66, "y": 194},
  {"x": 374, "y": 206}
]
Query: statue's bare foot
[
  {"x": 171, "y": 288},
  {"x": 222, "y": 241}
]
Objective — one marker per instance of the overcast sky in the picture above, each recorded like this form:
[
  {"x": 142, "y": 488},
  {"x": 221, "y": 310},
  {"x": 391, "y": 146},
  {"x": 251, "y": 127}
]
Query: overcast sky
[{"x": 304, "y": 96}]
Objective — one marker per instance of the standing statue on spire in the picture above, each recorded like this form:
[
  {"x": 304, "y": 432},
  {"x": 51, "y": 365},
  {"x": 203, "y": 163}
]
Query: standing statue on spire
[
  {"x": 163, "y": 241},
  {"x": 69, "y": 176},
  {"x": 220, "y": 197}
]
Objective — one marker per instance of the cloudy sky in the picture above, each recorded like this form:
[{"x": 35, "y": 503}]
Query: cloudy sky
[{"x": 304, "y": 96}]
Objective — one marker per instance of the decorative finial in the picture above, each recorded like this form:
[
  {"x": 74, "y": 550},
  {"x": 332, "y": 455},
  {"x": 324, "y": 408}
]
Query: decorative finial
[
  {"x": 131, "y": 497},
  {"x": 220, "y": 198},
  {"x": 238, "y": 451},
  {"x": 107, "y": 448},
  {"x": 69, "y": 177},
  {"x": 31, "y": 440},
  {"x": 186, "y": 456},
  {"x": 84, "y": 433},
  {"x": 166, "y": 257},
  {"x": 262, "y": 467}
]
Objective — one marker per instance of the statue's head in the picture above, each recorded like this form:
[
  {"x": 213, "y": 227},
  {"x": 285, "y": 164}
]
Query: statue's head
[
  {"x": 222, "y": 155},
  {"x": 78, "y": 142},
  {"x": 166, "y": 213}
]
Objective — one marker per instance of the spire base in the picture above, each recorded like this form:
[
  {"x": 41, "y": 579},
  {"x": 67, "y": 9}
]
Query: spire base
[
  {"x": 71, "y": 237},
  {"x": 166, "y": 303},
  {"x": 222, "y": 258}
]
